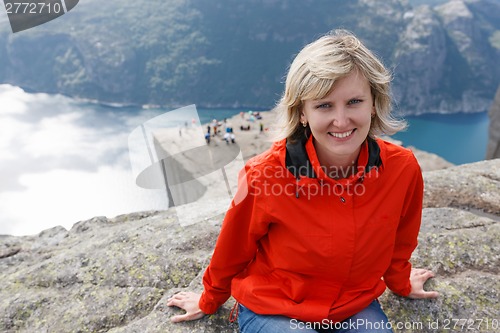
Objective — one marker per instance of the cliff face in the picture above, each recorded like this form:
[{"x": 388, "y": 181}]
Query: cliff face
[
  {"x": 114, "y": 275},
  {"x": 444, "y": 58},
  {"x": 421, "y": 70},
  {"x": 234, "y": 54},
  {"x": 493, "y": 150}
]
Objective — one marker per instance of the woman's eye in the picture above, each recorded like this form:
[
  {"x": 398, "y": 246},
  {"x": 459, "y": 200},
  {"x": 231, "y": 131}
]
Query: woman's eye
[
  {"x": 354, "y": 101},
  {"x": 323, "y": 106}
]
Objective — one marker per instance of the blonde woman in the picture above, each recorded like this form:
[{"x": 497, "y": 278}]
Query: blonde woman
[{"x": 327, "y": 218}]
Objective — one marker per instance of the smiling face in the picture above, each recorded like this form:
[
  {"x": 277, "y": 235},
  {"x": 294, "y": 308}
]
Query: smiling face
[{"x": 340, "y": 121}]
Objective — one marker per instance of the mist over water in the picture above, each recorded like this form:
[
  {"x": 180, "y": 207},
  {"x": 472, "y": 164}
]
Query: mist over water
[{"x": 63, "y": 160}]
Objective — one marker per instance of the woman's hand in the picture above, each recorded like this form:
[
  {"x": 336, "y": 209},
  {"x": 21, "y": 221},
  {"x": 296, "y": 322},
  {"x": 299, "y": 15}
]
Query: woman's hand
[
  {"x": 187, "y": 301},
  {"x": 418, "y": 277}
]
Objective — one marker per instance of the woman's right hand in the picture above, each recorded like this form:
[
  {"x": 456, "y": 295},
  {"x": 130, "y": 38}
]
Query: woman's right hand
[{"x": 187, "y": 301}]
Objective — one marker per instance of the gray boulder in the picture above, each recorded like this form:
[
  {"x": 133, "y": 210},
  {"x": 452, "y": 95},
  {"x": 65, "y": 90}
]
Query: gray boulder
[
  {"x": 474, "y": 186},
  {"x": 115, "y": 275},
  {"x": 463, "y": 250}
]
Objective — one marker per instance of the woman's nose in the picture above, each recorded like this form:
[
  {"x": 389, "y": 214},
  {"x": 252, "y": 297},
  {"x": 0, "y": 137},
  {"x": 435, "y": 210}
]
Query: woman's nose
[{"x": 340, "y": 118}]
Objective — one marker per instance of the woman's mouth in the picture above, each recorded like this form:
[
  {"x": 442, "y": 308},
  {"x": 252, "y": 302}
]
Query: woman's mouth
[{"x": 342, "y": 135}]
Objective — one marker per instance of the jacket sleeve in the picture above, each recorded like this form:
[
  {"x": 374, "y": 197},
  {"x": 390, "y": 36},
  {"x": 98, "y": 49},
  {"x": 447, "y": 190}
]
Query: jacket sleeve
[
  {"x": 397, "y": 276},
  {"x": 236, "y": 246}
]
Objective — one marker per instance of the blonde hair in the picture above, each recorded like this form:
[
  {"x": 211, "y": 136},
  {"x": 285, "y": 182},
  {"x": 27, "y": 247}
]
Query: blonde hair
[{"x": 316, "y": 68}]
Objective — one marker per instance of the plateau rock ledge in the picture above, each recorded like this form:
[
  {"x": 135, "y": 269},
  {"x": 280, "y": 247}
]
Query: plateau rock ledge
[{"x": 115, "y": 275}]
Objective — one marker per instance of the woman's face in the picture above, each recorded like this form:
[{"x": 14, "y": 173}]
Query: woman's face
[{"x": 340, "y": 121}]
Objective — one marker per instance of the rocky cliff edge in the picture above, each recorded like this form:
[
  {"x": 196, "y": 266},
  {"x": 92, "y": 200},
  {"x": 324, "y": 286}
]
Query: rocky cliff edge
[{"x": 114, "y": 275}]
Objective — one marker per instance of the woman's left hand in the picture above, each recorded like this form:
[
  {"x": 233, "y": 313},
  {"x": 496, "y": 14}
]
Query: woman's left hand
[{"x": 418, "y": 277}]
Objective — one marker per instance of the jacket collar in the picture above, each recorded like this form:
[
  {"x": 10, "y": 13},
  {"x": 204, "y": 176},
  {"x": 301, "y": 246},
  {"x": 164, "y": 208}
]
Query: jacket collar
[{"x": 301, "y": 159}]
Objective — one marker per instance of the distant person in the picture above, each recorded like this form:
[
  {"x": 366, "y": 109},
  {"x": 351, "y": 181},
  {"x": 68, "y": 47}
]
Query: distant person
[
  {"x": 207, "y": 138},
  {"x": 223, "y": 127},
  {"x": 327, "y": 217},
  {"x": 261, "y": 126},
  {"x": 214, "y": 126}
]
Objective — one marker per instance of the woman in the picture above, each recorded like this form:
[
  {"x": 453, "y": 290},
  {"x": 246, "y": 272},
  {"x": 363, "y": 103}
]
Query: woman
[{"x": 329, "y": 216}]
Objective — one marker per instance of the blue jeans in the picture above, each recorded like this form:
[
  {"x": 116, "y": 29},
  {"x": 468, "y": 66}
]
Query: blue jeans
[{"x": 372, "y": 319}]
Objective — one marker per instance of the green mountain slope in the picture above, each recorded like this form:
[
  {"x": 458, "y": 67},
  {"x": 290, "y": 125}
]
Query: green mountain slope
[{"x": 232, "y": 53}]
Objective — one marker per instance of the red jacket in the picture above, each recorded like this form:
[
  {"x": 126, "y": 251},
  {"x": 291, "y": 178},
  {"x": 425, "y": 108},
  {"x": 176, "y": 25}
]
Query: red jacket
[{"x": 303, "y": 245}]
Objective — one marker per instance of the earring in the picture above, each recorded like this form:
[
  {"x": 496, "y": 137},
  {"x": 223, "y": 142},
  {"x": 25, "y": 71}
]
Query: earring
[{"x": 304, "y": 123}]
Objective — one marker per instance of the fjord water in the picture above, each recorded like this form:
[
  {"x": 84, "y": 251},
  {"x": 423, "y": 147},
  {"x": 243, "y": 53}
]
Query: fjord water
[{"x": 459, "y": 138}]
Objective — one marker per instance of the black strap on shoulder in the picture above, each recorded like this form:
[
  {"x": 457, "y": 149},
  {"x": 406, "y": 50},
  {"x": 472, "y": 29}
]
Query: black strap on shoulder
[
  {"x": 297, "y": 161},
  {"x": 374, "y": 159}
]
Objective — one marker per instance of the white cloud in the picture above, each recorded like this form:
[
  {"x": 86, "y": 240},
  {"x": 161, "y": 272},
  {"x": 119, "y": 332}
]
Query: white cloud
[
  {"x": 11, "y": 136},
  {"x": 57, "y": 135},
  {"x": 13, "y": 99},
  {"x": 63, "y": 197},
  {"x": 66, "y": 134},
  {"x": 70, "y": 160}
]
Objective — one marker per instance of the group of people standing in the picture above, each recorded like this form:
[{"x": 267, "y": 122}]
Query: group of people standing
[{"x": 216, "y": 126}]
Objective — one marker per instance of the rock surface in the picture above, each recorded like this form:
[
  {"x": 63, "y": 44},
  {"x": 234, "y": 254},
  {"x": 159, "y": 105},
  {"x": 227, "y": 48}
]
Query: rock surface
[
  {"x": 430, "y": 161},
  {"x": 114, "y": 275},
  {"x": 473, "y": 186},
  {"x": 493, "y": 150}
]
